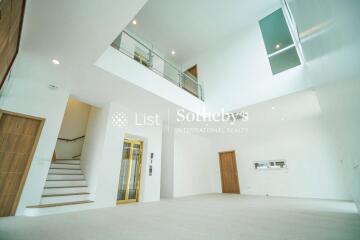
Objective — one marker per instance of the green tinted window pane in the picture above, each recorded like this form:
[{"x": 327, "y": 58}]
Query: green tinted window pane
[
  {"x": 284, "y": 61},
  {"x": 275, "y": 32}
]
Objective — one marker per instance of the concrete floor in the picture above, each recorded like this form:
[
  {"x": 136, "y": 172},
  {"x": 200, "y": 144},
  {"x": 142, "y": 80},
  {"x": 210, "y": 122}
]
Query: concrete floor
[{"x": 211, "y": 216}]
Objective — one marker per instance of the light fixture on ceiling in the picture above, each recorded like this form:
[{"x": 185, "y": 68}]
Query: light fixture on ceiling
[
  {"x": 273, "y": 108},
  {"x": 283, "y": 119},
  {"x": 55, "y": 61},
  {"x": 134, "y": 22},
  {"x": 173, "y": 52},
  {"x": 277, "y": 46},
  {"x": 53, "y": 87}
]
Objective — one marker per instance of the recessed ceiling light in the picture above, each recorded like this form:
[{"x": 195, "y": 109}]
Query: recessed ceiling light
[
  {"x": 55, "y": 61},
  {"x": 173, "y": 52},
  {"x": 53, "y": 87},
  {"x": 283, "y": 119},
  {"x": 273, "y": 108},
  {"x": 278, "y": 46},
  {"x": 134, "y": 22}
]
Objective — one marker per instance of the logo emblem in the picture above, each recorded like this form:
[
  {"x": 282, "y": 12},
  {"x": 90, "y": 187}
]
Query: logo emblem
[{"x": 119, "y": 119}]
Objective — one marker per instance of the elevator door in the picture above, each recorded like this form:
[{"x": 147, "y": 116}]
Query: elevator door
[{"x": 130, "y": 172}]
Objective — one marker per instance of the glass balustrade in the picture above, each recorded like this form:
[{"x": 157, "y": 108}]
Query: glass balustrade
[{"x": 145, "y": 55}]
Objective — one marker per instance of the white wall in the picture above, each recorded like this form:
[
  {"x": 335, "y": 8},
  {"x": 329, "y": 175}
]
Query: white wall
[
  {"x": 314, "y": 170},
  {"x": 194, "y": 159},
  {"x": 331, "y": 46},
  {"x": 91, "y": 156},
  {"x": 341, "y": 116},
  {"x": 188, "y": 163},
  {"x": 237, "y": 72},
  {"x": 167, "y": 162},
  {"x": 102, "y": 166},
  {"x": 33, "y": 97},
  {"x": 74, "y": 125}
]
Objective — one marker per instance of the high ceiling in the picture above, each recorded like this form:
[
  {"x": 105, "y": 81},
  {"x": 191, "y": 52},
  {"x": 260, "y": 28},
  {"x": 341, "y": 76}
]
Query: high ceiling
[
  {"x": 190, "y": 27},
  {"x": 69, "y": 32}
]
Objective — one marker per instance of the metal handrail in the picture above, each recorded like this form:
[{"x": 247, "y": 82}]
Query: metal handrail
[
  {"x": 71, "y": 140},
  {"x": 153, "y": 53},
  {"x": 150, "y": 50},
  {"x": 138, "y": 41}
]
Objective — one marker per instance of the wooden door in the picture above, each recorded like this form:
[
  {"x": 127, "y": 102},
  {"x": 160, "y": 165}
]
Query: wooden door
[
  {"x": 19, "y": 135},
  {"x": 190, "y": 84},
  {"x": 193, "y": 71},
  {"x": 228, "y": 169}
]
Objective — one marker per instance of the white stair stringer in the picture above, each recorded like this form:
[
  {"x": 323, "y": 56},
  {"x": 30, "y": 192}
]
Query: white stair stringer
[{"x": 65, "y": 190}]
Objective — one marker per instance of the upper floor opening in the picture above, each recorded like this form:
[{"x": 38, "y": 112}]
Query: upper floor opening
[
  {"x": 234, "y": 53},
  {"x": 144, "y": 53}
]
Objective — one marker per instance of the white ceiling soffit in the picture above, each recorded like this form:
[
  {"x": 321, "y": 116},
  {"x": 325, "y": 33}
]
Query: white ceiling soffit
[
  {"x": 77, "y": 33},
  {"x": 190, "y": 27}
]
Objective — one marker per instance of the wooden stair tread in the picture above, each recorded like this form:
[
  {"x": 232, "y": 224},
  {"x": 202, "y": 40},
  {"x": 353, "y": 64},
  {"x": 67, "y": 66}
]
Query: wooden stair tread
[
  {"x": 65, "y": 194},
  {"x": 59, "y": 204}
]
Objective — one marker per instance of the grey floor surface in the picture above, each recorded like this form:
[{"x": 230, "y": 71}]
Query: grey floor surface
[{"x": 211, "y": 216}]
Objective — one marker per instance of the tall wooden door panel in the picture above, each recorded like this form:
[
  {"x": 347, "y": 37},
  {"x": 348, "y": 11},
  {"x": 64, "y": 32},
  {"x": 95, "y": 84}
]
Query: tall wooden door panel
[
  {"x": 11, "y": 17},
  {"x": 18, "y": 138},
  {"x": 228, "y": 169},
  {"x": 5, "y": 19}
]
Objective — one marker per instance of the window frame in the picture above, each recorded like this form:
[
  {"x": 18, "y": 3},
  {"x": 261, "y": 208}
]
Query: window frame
[
  {"x": 270, "y": 165},
  {"x": 293, "y": 30},
  {"x": 289, "y": 17}
]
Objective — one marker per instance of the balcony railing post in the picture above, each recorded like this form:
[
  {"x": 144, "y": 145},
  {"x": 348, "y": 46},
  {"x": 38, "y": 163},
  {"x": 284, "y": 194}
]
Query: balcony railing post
[
  {"x": 181, "y": 84},
  {"x": 151, "y": 63},
  {"x": 201, "y": 96}
]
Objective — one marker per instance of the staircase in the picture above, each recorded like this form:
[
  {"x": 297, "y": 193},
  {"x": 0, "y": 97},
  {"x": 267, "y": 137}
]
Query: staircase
[{"x": 65, "y": 189}]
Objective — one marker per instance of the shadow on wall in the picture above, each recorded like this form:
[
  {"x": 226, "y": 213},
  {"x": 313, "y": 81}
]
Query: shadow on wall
[
  {"x": 331, "y": 45},
  {"x": 73, "y": 128}
]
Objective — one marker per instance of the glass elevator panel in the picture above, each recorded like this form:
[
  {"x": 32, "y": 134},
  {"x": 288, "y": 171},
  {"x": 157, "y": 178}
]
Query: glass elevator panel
[{"x": 130, "y": 171}]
